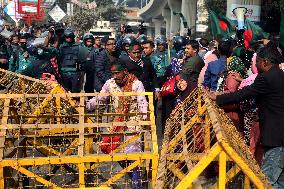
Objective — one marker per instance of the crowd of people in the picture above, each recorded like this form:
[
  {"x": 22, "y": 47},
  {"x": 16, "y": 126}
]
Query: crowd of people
[{"x": 246, "y": 83}]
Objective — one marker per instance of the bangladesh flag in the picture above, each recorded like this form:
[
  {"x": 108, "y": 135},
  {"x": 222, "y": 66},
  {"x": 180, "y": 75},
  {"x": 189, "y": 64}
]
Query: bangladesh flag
[
  {"x": 253, "y": 33},
  {"x": 221, "y": 26}
]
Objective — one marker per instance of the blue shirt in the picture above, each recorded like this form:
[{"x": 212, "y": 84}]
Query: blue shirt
[{"x": 213, "y": 73}]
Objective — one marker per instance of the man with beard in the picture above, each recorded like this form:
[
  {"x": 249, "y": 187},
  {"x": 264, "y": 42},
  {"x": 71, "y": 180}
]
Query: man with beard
[{"x": 123, "y": 81}]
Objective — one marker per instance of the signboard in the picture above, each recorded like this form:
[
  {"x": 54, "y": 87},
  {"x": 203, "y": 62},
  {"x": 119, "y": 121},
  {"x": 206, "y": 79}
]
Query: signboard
[
  {"x": 10, "y": 10},
  {"x": 29, "y": 9},
  {"x": 253, "y": 13},
  {"x": 28, "y": 6},
  {"x": 57, "y": 13},
  {"x": 70, "y": 9}
]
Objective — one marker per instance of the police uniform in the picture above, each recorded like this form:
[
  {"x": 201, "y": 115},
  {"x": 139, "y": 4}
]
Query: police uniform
[
  {"x": 34, "y": 65},
  {"x": 71, "y": 61},
  {"x": 89, "y": 68}
]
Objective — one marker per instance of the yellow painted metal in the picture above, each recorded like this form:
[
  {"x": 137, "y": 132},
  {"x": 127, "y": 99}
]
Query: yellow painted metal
[
  {"x": 154, "y": 141},
  {"x": 200, "y": 166},
  {"x": 230, "y": 175},
  {"x": 36, "y": 177},
  {"x": 59, "y": 138},
  {"x": 222, "y": 170},
  {"x": 247, "y": 183},
  {"x": 121, "y": 173},
  {"x": 53, "y": 160},
  {"x": 197, "y": 134},
  {"x": 2, "y": 183}
]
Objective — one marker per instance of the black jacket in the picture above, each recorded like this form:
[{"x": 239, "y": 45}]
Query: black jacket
[
  {"x": 268, "y": 90},
  {"x": 146, "y": 74},
  {"x": 102, "y": 68}
]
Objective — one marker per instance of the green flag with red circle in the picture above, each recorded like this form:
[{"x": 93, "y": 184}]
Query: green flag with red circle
[
  {"x": 253, "y": 33},
  {"x": 221, "y": 26}
]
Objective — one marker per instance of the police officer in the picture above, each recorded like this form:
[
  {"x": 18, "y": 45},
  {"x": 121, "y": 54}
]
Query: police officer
[
  {"x": 88, "y": 42},
  {"x": 142, "y": 39},
  {"x": 128, "y": 40},
  {"x": 19, "y": 58},
  {"x": 34, "y": 60},
  {"x": 72, "y": 57},
  {"x": 179, "y": 46}
]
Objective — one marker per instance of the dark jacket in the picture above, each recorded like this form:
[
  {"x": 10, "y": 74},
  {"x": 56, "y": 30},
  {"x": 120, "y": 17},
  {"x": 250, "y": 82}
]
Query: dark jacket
[
  {"x": 102, "y": 68},
  {"x": 146, "y": 74},
  {"x": 268, "y": 89},
  {"x": 192, "y": 68}
]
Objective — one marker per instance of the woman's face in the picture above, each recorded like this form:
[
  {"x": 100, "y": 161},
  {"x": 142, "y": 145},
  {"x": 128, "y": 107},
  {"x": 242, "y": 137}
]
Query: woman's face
[{"x": 181, "y": 85}]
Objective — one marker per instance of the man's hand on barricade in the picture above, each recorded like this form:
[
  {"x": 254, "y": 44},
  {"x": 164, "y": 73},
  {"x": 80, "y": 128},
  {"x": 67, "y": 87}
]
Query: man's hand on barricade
[{"x": 211, "y": 95}]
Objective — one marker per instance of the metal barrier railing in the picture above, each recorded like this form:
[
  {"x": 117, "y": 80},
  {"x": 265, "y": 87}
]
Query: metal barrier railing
[
  {"x": 199, "y": 135},
  {"x": 52, "y": 141},
  {"x": 60, "y": 145}
]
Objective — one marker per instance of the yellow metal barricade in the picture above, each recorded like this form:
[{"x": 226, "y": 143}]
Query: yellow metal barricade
[
  {"x": 52, "y": 141},
  {"x": 201, "y": 139}
]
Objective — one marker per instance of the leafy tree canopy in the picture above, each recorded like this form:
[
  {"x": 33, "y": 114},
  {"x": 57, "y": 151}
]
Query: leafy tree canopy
[{"x": 84, "y": 19}]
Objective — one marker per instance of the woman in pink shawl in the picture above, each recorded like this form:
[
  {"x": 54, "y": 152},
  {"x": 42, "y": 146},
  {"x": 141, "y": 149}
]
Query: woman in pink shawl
[{"x": 210, "y": 56}]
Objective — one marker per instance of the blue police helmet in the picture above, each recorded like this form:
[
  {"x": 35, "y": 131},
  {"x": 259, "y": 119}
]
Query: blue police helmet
[
  {"x": 68, "y": 32},
  {"x": 161, "y": 40},
  {"x": 30, "y": 47},
  {"x": 129, "y": 39},
  {"x": 88, "y": 36},
  {"x": 179, "y": 42},
  {"x": 141, "y": 39}
]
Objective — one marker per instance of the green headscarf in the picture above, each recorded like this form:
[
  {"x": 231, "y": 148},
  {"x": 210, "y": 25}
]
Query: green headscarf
[{"x": 235, "y": 64}]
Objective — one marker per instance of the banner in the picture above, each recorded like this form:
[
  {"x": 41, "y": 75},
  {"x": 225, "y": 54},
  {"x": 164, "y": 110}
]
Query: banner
[
  {"x": 28, "y": 6},
  {"x": 253, "y": 13}
]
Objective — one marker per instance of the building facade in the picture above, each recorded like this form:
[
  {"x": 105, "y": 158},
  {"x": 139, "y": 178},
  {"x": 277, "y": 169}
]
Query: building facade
[{"x": 163, "y": 15}]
